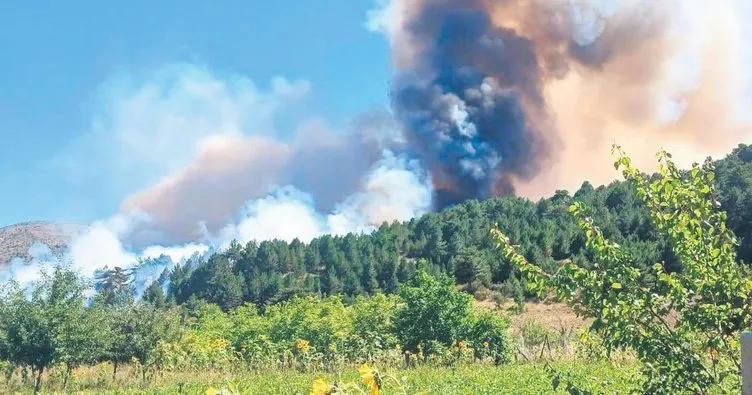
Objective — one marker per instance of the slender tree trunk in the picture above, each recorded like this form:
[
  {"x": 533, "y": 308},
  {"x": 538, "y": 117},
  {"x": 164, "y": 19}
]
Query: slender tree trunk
[
  {"x": 68, "y": 369},
  {"x": 114, "y": 370},
  {"x": 38, "y": 381}
]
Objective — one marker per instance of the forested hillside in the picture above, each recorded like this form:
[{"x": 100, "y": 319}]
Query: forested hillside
[
  {"x": 454, "y": 241},
  {"x": 698, "y": 308}
]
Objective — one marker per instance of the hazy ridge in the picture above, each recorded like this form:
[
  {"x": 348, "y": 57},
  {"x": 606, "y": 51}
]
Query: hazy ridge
[{"x": 15, "y": 240}]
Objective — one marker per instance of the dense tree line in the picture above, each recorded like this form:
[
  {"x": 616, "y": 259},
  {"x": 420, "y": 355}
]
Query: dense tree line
[{"x": 455, "y": 241}]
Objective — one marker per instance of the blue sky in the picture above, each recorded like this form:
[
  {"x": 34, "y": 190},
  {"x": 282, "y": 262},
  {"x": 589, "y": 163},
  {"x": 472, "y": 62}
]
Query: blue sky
[{"x": 56, "y": 59}]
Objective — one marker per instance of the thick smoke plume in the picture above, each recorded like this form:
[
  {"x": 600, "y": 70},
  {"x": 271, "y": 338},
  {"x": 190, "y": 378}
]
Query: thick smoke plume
[
  {"x": 525, "y": 96},
  {"x": 489, "y": 97}
]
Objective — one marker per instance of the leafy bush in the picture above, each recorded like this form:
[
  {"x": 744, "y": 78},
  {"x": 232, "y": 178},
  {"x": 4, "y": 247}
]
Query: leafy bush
[
  {"x": 373, "y": 323},
  {"x": 433, "y": 310},
  {"x": 320, "y": 322},
  {"x": 488, "y": 333}
]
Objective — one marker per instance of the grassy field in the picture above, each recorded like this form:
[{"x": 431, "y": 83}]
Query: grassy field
[
  {"x": 510, "y": 379},
  {"x": 516, "y": 378}
]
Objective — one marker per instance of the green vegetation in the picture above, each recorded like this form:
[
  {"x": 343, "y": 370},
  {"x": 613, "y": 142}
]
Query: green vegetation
[
  {"x": 428, "y": 322},
  {"x": 455, "y": 241},
  {"x": 652, "y": 262},
  {"x": 683, "y": 326},
  {"x": 527, "y": 379}
]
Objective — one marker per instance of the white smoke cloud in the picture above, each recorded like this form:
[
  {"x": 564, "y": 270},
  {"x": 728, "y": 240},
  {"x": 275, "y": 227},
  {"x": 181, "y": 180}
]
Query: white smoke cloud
[
  {"x": 395, "y": 190},
  {"x": 189, "y": 147},
  {"x": 26, "y": 272},
  {"x": 100, "y": 246},
  {"x": 201, "y": 164},
  {"x": 177, "y": 253},
  {"x": 97, "y": 246},
  {"x": 286, "y": 214},
  {"x": 148, "y": 127}
]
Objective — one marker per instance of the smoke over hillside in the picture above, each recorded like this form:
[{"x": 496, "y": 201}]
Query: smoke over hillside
[
  {"x": 489, "y": 97},
  {"x": 498, "y": 96}
]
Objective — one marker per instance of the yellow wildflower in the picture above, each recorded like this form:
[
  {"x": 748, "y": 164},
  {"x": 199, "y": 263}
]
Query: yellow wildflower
[
  {"x": 485, "y": 344},
  {"x": 212, "y": 391},
  {"x": 332, "y": 347},
  {"x": 370, "y": 377},
  {"x": 302, "y": 345},
  {"x": 220, "y": 343},
  {"x": 320, "y": 387}
]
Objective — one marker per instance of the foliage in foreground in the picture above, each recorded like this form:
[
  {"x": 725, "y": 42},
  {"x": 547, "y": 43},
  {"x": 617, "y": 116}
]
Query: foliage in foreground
[
  {"x": 312, "y": 333},
  {"x": 684, "y": 329},
  {"x": 428, "y": 322},
  {"x": 463, "y": 379}
]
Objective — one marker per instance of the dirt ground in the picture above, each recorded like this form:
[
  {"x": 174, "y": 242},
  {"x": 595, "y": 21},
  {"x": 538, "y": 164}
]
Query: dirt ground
[{"x": 553, "y": 316}]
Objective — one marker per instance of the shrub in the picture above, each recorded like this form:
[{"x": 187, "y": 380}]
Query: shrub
[
  {"x": 373, "y": 324},
  {"x": 433, "y": 310},
  {"x": 534, "y": 334},
  {"x": 320, "y": 322},
  {"x": 434, "y": 313},
  {"x": 488, "y": 333}
]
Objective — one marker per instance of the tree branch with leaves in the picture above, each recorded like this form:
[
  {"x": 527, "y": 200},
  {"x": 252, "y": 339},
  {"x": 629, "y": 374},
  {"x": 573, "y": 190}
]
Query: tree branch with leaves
[{"x": 684, "y": 327}]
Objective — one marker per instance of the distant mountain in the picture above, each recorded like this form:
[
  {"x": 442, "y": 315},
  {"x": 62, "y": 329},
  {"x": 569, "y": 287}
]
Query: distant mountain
[{"x": 15, "y": 240}]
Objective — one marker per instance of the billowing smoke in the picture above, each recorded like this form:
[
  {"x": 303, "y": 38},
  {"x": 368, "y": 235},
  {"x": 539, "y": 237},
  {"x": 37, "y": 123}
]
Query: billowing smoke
[
  {"x": 525, "y": 96},
  {"x": 489, "y": 97},
  {"x": 395, "y": 188},
  {"x": 217, "y": 174},
  {"x": 205, "y": 195},
  {"x": 466, "y": 101}
]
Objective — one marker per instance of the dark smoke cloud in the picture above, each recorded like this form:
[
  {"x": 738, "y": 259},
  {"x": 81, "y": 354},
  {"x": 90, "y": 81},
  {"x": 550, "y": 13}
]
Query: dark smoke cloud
[
  {"x": 463, "y": 102},
  {"x": 495, "y": 96}
]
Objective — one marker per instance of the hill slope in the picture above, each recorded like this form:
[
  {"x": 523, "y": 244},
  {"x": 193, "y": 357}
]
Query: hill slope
[
  {"x": 455, "y": 241},
  {"x": 15, "y": 240}
]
